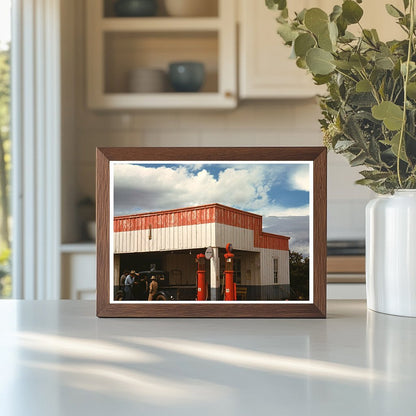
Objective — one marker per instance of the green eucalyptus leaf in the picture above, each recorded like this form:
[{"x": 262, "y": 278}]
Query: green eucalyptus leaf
[
  {"x": 361, "y": 100},
  {"x": 403, "y": 68},
  {"x": 281, "y": 19},
  {"x": 351, "y": 11},
  {"x": 377, "y": 75},
  {"x": 405, "y": 21},
  {"x": 368, "y": 36},
  {"x": 347, "y": 37},
  {"x": 385, "y": 62},
  {"x": 301, "y": 63},
  {"x": 342, "y": 25},
  {"x": 316, "y": 20},
  {"x": 375, "y": 35},
  {"x": 374, "y": 151},
  {"x": 287, "y": 33},
  {"x": 282, "y": 4},
  {"x": 334, "y": 91},
  {"x": 271, "y": 4},
  {"x": 325, "y": 42},
  {"x": 411, "y": 90},
  {"x": 276, "y": 4},
  {"x": 301, "y": 15},
  {"x": 382, "y": 89},
  {"x": 396, "y": 71},
  {"x": 406, "y": 4},
  {"x": 388, "y": 112},
  {"x": 354, "y": 132},
  {"x": 411, "y": 123},
  {"x": 393, "y": 11},
  {"x": 385, "y": 50},
  {"x": 333, "y": 32},
  {"x": 394, "y": 143},
  {"x": 363, "y": 86},
  {"x": 320, "y": 61},
  {"x": 358, "y": 61},
  {"x": 374, "y": 174},
  {"x": 365, "y": 182},
  {"x": 321, "y": 79},
  {"x": 344, "y": 65},
  {"x": 336, "y": 12},
  {"x": 303, "y": 43},
  {"x": 343, "y": 145},
  {"x": 358, "y": 160}
]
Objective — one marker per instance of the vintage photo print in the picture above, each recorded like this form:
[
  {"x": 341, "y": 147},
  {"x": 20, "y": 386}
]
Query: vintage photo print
[{"x": 211, "y": 231}]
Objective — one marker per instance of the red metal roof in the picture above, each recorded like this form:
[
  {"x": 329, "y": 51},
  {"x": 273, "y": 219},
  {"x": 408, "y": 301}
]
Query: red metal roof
[{"x": 203, "y": 214}]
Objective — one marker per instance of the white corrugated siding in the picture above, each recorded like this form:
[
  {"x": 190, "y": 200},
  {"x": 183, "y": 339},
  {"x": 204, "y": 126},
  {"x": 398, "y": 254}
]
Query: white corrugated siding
[
  {"x": 170, "y": 238},
  {"x": 240, "y": 238},
  {"x": 267, "y": 268},
  {"x": 184, "y": 237}
]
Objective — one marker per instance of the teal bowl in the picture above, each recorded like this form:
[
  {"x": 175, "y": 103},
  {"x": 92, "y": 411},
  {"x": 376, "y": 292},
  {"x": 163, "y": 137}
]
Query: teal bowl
[
  {"x": 135, "y": 8},
  {"x": 186, "y": 76}
]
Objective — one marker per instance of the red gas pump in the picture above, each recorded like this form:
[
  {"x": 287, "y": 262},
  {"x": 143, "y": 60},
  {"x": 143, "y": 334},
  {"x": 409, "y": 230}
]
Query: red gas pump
[
  {"x": 229, "y": 292},
  {"x": 201, "y": 285}
]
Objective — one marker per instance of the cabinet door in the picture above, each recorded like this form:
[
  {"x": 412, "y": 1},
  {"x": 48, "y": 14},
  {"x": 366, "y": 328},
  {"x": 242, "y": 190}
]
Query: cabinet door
[
  {"x": 78, "y": 276},
  {"x": 266, "y": 71}
]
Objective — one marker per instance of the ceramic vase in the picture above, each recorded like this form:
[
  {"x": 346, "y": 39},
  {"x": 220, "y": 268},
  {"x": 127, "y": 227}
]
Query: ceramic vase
[{"x": 391, "y": 253}]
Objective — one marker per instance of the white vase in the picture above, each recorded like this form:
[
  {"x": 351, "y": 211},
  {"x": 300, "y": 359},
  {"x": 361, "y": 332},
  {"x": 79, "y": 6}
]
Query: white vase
[{"x": 391, "y": 253}]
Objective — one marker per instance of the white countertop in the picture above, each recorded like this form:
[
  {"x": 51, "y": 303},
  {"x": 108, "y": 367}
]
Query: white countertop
[{"x": 57, "y": 358}]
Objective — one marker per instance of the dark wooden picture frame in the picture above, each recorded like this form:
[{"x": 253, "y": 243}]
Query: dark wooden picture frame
[{"x": 314, "y": 309}]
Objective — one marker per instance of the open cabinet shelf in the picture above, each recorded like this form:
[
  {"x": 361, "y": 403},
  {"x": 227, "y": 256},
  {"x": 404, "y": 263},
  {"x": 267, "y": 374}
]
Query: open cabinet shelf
[
  {"x": 160, "y": 24},
  {"x": 117, "y": 46}
]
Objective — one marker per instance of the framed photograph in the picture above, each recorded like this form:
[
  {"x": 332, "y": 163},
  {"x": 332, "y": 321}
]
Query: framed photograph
[{"x": 211, "y": 232}]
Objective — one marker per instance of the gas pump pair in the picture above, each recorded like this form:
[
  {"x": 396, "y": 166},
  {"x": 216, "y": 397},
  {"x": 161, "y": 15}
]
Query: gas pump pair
[{"x": 230, "y": 292}]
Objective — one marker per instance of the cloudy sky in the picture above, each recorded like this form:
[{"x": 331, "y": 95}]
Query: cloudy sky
[{"x": 278, "y": 191}]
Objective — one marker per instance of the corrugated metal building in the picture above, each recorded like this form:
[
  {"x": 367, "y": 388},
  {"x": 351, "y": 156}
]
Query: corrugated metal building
[{"x": 171, "y": 239}]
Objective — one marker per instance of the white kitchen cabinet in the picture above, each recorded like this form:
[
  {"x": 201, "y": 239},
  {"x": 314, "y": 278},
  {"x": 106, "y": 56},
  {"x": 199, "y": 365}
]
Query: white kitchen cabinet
[
  {"x": 117, "y": 45},
  {"x": 78, "y": 265},
  {"x": 265, "y": 70}
]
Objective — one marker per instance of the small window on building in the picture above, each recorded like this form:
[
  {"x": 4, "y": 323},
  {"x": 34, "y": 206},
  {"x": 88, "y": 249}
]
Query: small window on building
[{"x": 275, "y": 271}]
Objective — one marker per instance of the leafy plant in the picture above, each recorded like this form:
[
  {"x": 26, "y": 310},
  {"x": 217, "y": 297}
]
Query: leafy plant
[
  {"x": 369, "y": 112},
  {"x": 299, "y": 271}
]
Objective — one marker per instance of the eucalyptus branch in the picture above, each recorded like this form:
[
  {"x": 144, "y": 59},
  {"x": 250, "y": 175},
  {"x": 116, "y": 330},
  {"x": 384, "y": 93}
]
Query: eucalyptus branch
[
  {"x": 373, "y": 88},
  {"x": 386, "y": 97},
  {"x": 346, "y": 75},
  {"x": 398, "y": 95},
  {"x": 404, "y": 28},
  {"x": 406, "y": 80},
  {"x": 392, "y": 91}
]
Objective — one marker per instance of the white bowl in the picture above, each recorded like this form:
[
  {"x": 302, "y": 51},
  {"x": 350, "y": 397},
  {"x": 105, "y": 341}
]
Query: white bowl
[
  {"x": 191, "y": 8},
  {"x": 147, "y": 80}
]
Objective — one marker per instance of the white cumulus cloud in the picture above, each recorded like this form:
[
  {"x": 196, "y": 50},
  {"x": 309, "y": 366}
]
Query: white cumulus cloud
[
  {"x": 300, "y": 178},
  {"x": 140, "y": 188}
]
